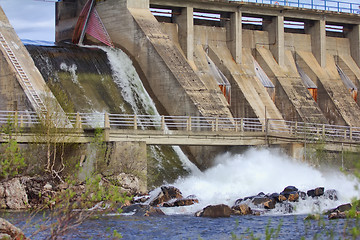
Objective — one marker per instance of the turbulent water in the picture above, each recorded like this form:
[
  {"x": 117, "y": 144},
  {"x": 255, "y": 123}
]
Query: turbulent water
[{"x": 262, "y": 170}]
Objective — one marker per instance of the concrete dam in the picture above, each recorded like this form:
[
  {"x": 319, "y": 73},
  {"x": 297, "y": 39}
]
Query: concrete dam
[
  {"x": 201, "y": 58},
  {"x": 308, "y": 74}
]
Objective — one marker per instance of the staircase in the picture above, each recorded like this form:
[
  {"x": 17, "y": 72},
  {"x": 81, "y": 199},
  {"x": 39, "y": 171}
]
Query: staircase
[{"x": 25, "y": 82}]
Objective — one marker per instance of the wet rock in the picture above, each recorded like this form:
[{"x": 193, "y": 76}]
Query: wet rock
[
  {"x": 293, "y": 197},
  {"x": 238, "y": 201},
  {"x": 266, "y": 202},
  {"x": 242, "y": 209},
  {"x": 317, "y": 192},
  {"x": 181, "y": 202},
  {"x": 344, "y": 207},
  {"x": 340, "y": 208},
  {"x": 6, "y": 228},
  {"x": 290, "y": 189},
  {"x": 15, "y": 194},
  {"x": 214, "y": 211},
  {"x": 140, "y": 199},
  {"x": 337, "y": 215},
  {"x": 142, "y": 210},
  {"x": 278, "y": 197},
  {"x": 331, "y": 194},
  {"x": 167, "y": 193}
]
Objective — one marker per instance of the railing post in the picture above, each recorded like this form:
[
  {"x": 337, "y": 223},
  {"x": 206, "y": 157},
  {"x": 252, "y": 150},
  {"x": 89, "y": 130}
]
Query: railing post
[
  {"x": 350, "y": 132},
  {"x": 323, "y": 130},
  {"x": 21, "y": 121},
  {"x": 16, "y": 120},
  {"x": 296, "y": 127},
  {"x": 241, "y": 124},
  {"x": 78, "y": 123},
  {"x": 236, "y": 126},
  {"x": 106, "y": 127},
  {"x": 216, "y": 124},
  {"x": 213, "y": 125},
  {"x": 135, "y": 123},
  {"x": 188, "y": 124},
  {"x": 345, "y": 134},
  {"x": 162, "y": 123}
]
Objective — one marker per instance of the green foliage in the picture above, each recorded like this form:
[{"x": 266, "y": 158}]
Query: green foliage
[{"x": 11, "y": 159}]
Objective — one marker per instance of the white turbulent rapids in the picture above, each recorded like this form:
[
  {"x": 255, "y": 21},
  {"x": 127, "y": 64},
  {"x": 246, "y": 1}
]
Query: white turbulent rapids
[{"x": 262, "y": 170}]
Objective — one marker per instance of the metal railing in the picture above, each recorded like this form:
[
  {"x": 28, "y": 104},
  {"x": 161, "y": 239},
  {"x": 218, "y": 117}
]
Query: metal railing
[
  {"x": 298, "y": 131},
  {"x": 328, "y": 5}
]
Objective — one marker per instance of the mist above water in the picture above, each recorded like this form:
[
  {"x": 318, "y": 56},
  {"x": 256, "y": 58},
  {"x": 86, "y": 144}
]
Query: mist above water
[{"x": 237, "y": 176}]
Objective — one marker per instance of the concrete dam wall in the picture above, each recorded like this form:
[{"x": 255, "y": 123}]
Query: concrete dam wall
[{"x": 174, "y": 53}]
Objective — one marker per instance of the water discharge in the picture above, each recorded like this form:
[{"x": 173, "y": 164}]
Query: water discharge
[
  {"x": 133, "y": 91},
  {"x": 262, "y": 170}
]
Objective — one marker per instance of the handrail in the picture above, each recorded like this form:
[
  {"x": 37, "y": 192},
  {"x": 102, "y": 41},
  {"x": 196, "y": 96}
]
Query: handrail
[
  {"x": 299, "y": 131},
  {"x": 328, "y": 5}
]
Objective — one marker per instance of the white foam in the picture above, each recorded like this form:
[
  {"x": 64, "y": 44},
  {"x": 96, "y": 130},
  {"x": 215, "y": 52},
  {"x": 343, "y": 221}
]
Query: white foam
[{"x": 241, "y": 175}]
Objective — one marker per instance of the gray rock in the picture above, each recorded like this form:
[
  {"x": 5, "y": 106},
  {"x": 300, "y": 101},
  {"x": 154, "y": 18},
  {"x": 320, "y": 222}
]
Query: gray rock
[
  {"x": 15, "y": 194},
  {"x": 129, "y": 182},
  {"x": 7, "y": 229},
  {"x": 215, "y": 211}
]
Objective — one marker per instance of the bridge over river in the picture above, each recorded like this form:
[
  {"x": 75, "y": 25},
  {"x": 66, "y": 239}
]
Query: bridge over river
[{"x": 182, "y": 130}]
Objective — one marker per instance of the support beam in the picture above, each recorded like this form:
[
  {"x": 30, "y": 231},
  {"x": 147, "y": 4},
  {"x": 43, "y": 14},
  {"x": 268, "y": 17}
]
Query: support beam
[
  {"x": 234, "y": 35},
  {"x": 138, "y": 4},
  {"x": 317, "y": 30},
  {"x": 354, "y": 38},
  {"x": 275, "y": 29},
  {"x": 185, "y": 23}
]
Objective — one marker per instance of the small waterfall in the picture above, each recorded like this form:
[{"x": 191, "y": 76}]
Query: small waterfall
[{"x": 133, "y": 91}]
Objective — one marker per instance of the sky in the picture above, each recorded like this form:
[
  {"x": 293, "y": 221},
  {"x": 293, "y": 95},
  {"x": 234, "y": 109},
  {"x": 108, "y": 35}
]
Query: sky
[{"x": 32, "y": 19}]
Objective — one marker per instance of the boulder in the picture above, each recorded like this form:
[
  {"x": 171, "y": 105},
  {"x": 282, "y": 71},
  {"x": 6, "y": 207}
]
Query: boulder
[
  {"x": 278, "y": 197},
  {"x": 7, "y": 229},
  {"x": 167, "y": 193},
  {"x": 2, "y": 197},
  {"x": 181, "y": 202},
  {"x": 337, "y": 215},
  {"x": 15, "y": 194},
  {"x": 289, "y": 189},
  {"x": 238, "y": 201},
  {"x": 215, "y": 211},
  {"x": 317, "y": 192},
  {"x": 331, "y": 194},
  {"x": 266, "y": 202},
  {"x": 129, "y": 182},
  {"x": 142, "y": 210},
  {"x": 293, "y": 197},
  {"x": 242, "y": 209}
]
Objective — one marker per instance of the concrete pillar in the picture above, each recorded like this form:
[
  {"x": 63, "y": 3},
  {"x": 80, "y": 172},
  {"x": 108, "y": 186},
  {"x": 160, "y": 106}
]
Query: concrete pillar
[
  {"x": 275, "y": 29},
  {"x": 234, "y": 35},
  {"x": 354, "y": 38},
  {"x": 317, "y": 30},
  {"x": 138, "y": 4},
  {"x": 185, "y": 23}
]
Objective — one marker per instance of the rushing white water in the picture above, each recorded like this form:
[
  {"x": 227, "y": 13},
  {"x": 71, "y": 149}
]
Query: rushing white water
[{"x": 262, "y": 170}]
